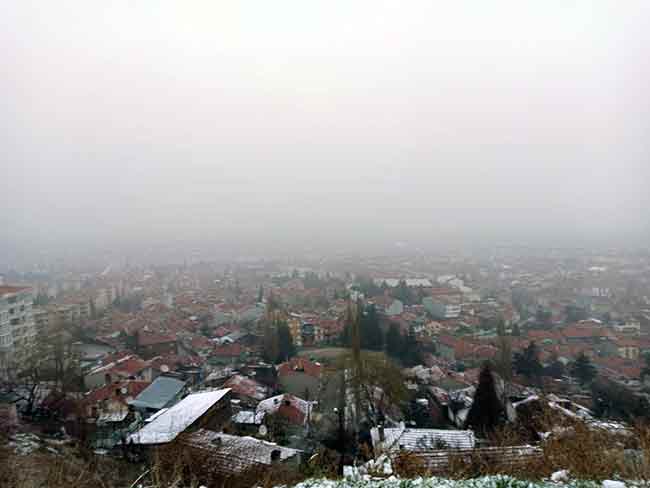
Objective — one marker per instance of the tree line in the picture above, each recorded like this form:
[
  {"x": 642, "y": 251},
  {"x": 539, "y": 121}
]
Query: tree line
[{"x": 403, "y": 347}]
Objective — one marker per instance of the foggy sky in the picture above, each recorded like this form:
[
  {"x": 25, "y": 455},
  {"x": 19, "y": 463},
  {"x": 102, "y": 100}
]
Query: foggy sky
[{"x": 337, "y": 123}]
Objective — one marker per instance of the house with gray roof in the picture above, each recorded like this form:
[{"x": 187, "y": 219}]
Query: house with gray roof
[
  {"x": 203, "y": 410},
  {"x": 163, "y": 392}
]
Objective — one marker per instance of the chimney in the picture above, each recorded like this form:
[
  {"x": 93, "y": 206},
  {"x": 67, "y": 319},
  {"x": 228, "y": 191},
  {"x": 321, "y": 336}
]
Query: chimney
[
  {"x": 382, "y": 435},
  {"x": 275, "y": 456}
]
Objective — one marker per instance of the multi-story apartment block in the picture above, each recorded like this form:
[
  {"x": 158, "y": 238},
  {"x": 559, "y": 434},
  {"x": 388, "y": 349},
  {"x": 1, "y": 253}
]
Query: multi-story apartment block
[
  {"x": 41, "y": 319},
  {"x": 442, "y": 308},
  {"x": 70, "y": 313},
  {"x": 17, "y": 330}
]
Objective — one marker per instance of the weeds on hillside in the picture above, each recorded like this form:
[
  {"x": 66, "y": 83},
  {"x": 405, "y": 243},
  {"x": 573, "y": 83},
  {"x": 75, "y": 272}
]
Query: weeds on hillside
[{"x": 587, "y": 452}]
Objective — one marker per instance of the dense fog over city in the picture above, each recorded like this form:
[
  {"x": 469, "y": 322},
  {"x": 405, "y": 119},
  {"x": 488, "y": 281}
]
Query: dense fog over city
[
  {"x": 252, "y": 127},
  {"x": 335, "y": 244}
]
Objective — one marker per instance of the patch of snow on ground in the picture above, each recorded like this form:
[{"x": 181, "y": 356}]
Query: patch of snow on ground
[{"x": 365, "y": 481}]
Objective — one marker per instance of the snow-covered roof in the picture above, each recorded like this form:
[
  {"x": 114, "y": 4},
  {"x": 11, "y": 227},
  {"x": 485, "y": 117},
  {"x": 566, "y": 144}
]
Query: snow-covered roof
[
  {"x": 297, "y": 409},
  {"x": 244, "y": 386},
  {"x": 531, "y": 398},
  {"x": 156, "y": 415},
  {"x": 235, "y": 454},
  {"x": 424, "y": 374},
  {"x": 401, "y": 438},
  {"x": 411, "y": 282},
  {"x": 175, "y": 420},
  {"x": 414, "y": 282},
  {"x": 273, "y": 404}
]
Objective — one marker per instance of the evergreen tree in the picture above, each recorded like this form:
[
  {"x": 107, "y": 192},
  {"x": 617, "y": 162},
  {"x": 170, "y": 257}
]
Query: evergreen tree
[
  {"x": 133, "y": 342},
  {"x": 206, "y": 330},
  {"x": 613, "y": 400},
  {"x": 41, "y": 299},
  {"x": 394, "y": 342},
  {"x": 575, "y": 313},
  {"x": 403, "y": 293},
  {"x": 271, "y": 350},
  {"x": 346, "y": 334},
  {"x": 583, "y": 369},
  {"x": 370, "y": 333},
  {"x": 487, "y": 411},
  {"x": 260, "y": 294},
  {"x": 646, "y": 368},
  {"x": 527, "y": 363},
  {"x": 501, "y": 328},
  {"x": 410, "y": 354},
  {"x": 286, "y": 348},
  {"x": 555, "y": 369},
  {"x": 543, "y": 318}
]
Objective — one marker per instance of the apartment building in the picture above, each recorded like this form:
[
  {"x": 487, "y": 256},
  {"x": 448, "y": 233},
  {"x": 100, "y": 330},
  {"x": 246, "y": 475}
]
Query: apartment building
[
  {"x": 41, "y": 319},
  {"x": 17, "y": 329},
  {"x": 442, "y": 308}
]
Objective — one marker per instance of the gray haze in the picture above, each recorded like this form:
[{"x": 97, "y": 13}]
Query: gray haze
[{"x": 342, "y": 123}]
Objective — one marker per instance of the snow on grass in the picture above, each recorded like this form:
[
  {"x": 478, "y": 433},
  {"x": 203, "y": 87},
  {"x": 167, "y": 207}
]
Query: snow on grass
[{"x": 484, "y": 482}]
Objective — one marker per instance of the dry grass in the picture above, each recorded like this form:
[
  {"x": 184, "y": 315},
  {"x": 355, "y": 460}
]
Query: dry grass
[
  {"x": 68, "y": 470},
  {"x": 587, "y": 453}
]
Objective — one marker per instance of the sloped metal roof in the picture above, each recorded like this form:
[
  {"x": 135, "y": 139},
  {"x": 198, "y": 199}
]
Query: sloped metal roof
[
  {"x": 405, "y": 439},
  {"x": 159, "y": 393},
  {"x": 176, "y": 419}
]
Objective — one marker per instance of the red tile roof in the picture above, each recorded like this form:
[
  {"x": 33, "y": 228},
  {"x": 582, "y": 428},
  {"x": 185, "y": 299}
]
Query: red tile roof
[
  {"x": 464, "y": 349},
  {"x": 292, "y": 414},
  {"x": 585, "y": 331},
  {"x": 300, "y": 365},
  {"x": 199, "y": 342},
  {"x": 152, "y": 338},
  {"x": 228, "y": 350},
  {"x": 127, "y": 389},
  {"x": 7, "y": 290},
  {"x": 111, "y": 358},
  {"x": 221, "y": 331},
  {"x": 130, "y": 367},
  {"x": 541, "y": 335},
  {"x": 444, "y": 291},
  {"x": 629, "y": 369},
  {"x": 246, "y": 387}
]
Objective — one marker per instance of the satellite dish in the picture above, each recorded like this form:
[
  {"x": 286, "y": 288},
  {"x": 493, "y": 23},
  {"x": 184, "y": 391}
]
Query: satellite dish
[
  {"x": 164, "y": 368},
  {"x": 124, "y": 390},
  {"x": 263, "y": 430}
]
